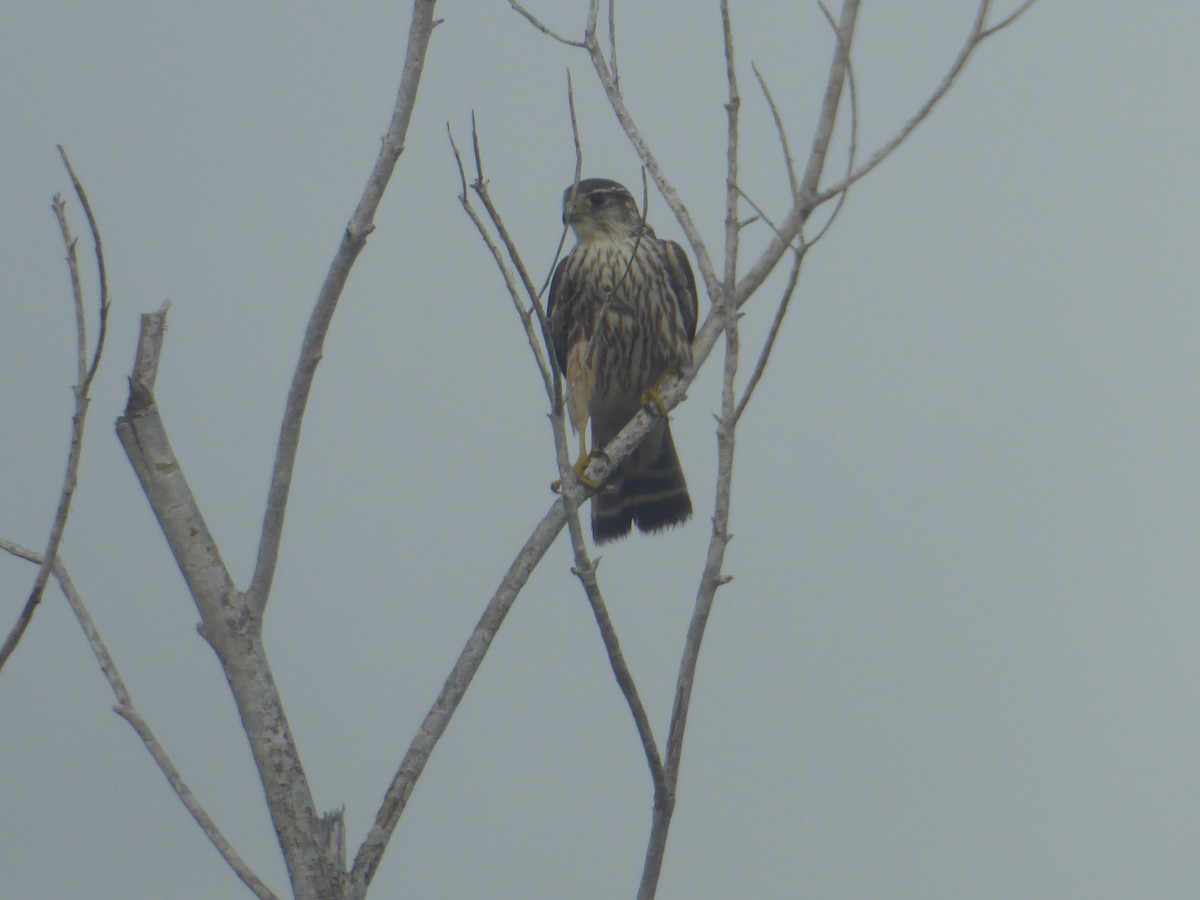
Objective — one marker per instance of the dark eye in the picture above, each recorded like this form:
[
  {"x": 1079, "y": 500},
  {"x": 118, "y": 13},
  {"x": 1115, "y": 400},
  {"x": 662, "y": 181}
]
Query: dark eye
[{"x": 597, "y": 201}]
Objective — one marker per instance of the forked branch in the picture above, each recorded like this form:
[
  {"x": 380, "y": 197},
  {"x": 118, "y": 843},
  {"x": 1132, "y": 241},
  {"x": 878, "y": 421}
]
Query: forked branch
[{"x": 313, "y": 845}]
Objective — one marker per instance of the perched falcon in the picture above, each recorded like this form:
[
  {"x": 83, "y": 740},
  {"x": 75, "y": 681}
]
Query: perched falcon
[{"x": 618, "y": 328}]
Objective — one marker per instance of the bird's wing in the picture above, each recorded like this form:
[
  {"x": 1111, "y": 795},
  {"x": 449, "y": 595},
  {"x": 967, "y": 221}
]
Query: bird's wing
[
  {"x": 557, "y": 314},
  {"x": 684, "y": 284}
]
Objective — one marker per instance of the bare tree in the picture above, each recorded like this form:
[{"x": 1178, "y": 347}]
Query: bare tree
[{"x": 314, "y": 844}]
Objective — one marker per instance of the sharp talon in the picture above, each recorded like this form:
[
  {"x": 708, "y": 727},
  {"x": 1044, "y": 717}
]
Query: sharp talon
[
  {"x": 581, "y": 464},
  {"x": 556, "y": 486},
  {"x": 581, "y": 467},
  {"x": 651, "y": 394}
]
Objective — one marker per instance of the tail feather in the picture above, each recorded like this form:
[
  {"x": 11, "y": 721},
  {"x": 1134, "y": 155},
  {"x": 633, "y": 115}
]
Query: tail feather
[{"x": 651, "y": 494}]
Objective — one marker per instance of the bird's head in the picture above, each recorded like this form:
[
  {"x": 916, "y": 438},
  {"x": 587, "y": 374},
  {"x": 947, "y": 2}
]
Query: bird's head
[{"x": 600, "y": 209}]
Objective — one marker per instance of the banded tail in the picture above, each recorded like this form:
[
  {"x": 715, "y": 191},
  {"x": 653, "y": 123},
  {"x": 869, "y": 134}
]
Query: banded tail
[{"x": 648, "y": 491}]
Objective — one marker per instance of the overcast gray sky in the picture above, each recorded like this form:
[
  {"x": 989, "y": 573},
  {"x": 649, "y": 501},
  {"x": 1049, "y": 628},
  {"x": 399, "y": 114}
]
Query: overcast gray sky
[{"x": 960, "y": 654}]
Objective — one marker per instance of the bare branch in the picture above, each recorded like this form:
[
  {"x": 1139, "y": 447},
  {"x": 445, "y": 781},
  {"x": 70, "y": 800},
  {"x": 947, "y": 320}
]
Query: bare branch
[
  {"x": 434, "y": 726},
  {"x": 522, "y": 313},
  {"x": 480, "y": 187},
  {"x": 769, "y": 345},
  {"x": 232, "y": 627},
  {"x": 978, "y": 34},
  {"x": 130, "y": 714},
  {"x": 788, "y": 162},
  {"x": 852, "y": 151},
  {"x": 85, "y": 374},
  {"x": 353, "y": 240},
  {"x": 144, "y": 439},
  {"x": 724, "y": 312},
  {"x": 102, "y": 271},
  {"x": 1008, "y": 20},
  {"x": 535, "y": 294},
  {"x": 585, "y": 570},
  {"x": 760, "y": 213},
  {"x": 126, "y": 710},
  {"x": 793, "y": 276},
  {"x": 805, "y": 203},
  {"x": 59, "y": 207}
]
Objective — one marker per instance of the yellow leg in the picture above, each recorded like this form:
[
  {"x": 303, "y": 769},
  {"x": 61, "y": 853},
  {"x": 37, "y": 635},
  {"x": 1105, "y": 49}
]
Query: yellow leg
[
  {"x": 584, "y": 455},
  {"x": 651, "y": 393},
  {"x": 585, "y": 458}
]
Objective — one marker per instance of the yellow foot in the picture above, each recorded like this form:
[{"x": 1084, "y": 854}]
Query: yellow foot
[
  {"x": 581, "y": 464},
  {"x": 651, "y": 394},
  {"x": 580, "y": 467}
]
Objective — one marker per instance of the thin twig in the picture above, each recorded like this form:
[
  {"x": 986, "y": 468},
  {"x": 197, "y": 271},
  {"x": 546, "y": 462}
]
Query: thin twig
[
  {"x": 86, "y": 373},
  {"x": 789, "y": 163},
  {"x": 557, "y": 419},
  {"x": 761, "y": 213},
  {"x": 637, "y": 242},
  {"x": 102, "y": 270},
  {"x": 523, "y": 314},
  {"x": 612, "y": 43},
  {"x": 59, "y": 207},
  {"x": 546, "y": 362},
  {"x": 536, "y": 307},
  {"x": 480, "y": 187},
  {"x": 732, "y": 108},
  {"x": 537, "y": 23}
]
